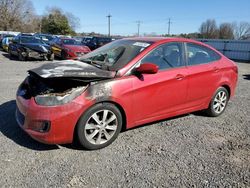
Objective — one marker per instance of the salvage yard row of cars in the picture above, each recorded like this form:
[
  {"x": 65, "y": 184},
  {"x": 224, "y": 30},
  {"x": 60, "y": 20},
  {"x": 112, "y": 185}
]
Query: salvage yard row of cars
[{"x": 44, "y": 46}]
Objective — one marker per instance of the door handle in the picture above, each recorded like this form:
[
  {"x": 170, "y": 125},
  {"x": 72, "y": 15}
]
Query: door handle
[
  {"x": 216, "y": 69},
  {"x": 179, "y": 77}
]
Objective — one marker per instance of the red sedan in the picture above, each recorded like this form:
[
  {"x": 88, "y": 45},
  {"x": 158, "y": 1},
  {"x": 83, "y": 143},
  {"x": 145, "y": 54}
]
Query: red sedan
[
  {"x": 124, "y": 84},
  {"x": 68, "y": 48}
]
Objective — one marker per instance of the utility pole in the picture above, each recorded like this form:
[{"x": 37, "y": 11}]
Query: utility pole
[
  {"x": 138, "y": 27},
  {"x": 109, "y": 16},
  {"x": 169, "y": 23}
]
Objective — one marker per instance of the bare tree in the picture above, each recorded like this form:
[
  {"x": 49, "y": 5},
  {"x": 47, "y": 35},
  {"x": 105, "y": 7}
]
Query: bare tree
[
  {"x": 226, "y": 31},
  {"x": 17, "y": 15},
  {"x": 209, "y": 29},
  {"x": 242, "y": 30},
  {"x": 74, "y": 21}
]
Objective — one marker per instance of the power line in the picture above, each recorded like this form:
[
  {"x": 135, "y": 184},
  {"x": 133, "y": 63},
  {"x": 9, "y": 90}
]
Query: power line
[
  {"x": 109, "y": 16},
  {"x": 138, "y": 27}
]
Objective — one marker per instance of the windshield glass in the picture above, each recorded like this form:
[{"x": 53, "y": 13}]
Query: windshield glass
[
  {"x": 46, "y": 37},
  {"x": 71, "y": 42},
  {"x": 31, "y": 40},
  {"x": 117, "y": 54}
]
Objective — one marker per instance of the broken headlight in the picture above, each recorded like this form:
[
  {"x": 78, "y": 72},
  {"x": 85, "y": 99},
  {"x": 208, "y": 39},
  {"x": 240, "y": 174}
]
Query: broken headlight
[{"x": 53, "y": 99}]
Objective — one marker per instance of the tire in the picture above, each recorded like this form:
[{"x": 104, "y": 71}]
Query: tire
[
  {"x": 95, "y": 134},
  {"x": 218, "y": 103},
  {"x": 51, "y": 57},
  {"x": 21, "y": 57},
  {"x": 63, "y": 55},
  {"x": 10, "y": 54}
]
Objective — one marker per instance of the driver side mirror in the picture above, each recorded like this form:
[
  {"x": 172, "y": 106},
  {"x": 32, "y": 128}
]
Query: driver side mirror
[{"x": 147, "y": 68}]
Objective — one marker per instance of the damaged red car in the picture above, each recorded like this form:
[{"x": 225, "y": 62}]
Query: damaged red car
[
  {"x": 124, "y": 84},
  {"x": 68, "y": 48}
]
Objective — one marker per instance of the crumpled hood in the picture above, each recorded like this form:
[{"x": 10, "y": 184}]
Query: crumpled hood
[
  {"x": 37, "y": 47},
  {"x": 72, "y": 69}
]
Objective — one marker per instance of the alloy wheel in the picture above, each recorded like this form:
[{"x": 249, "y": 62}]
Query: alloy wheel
[
  {"x": 101, "y": 127},
  {"x": 220, "y": 102}
]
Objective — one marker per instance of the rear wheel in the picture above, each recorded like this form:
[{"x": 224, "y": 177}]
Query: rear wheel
[
  {"x": 218, "y": 103},
  {"x": 99, "y": 126}
]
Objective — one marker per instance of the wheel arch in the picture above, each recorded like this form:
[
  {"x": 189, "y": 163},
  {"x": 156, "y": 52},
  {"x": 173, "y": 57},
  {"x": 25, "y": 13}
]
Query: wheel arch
[
  {"x": 124, "y": 117},
  {"x": 227, "y": 87}
]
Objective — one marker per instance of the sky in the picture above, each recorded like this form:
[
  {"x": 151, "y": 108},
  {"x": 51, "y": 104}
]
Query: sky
[{"x": 186, "y": 16}]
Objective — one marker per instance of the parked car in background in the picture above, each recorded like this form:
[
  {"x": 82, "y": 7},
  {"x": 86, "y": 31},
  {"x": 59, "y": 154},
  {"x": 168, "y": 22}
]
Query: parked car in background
[
  {"x": 68, "y": 48},
  {"x": 78, "y": 38},
  {"x": 96, "y": 42},
  {"x": 47, "y": 38},
  {"x": 5, "y": 42},
  {"x": 2, "y": 36},
  {"x": 26, "y": 47},
  {"x": 124, "y": 84}
]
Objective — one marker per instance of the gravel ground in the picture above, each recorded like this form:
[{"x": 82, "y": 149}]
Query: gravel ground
[{"x": 187, "y": 151}]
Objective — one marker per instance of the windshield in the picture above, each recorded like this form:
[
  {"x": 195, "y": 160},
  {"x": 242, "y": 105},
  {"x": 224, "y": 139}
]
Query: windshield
[
  {"x": 31, "y": 40},
  {"x": 117, "y": 54},
  {"x": 71, "y": 42},
  {"x": 46, "y": 37}
]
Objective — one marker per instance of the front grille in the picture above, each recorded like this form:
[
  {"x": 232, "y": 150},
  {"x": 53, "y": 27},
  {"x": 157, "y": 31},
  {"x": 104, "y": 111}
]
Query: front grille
[{"x": 20, "y": 117}]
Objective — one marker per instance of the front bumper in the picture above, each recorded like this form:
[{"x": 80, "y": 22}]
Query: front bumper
[
  {"x": 36, "y": 55},
  {"x": 62, "y": 118}
]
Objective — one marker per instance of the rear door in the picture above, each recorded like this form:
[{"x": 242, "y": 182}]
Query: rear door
[
  {"x": 204, "y": 73},
  {"x": 157, "y": 94}
]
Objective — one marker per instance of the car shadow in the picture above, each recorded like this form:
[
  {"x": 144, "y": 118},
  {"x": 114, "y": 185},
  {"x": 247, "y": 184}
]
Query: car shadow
[
  {"x": 246, "y": 76},
  {"x": 10, "y": 129},
  {"x": 6, "y": 55}
]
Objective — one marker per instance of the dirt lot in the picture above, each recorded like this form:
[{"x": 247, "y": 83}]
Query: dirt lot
[{"x": 192, "y": 150}]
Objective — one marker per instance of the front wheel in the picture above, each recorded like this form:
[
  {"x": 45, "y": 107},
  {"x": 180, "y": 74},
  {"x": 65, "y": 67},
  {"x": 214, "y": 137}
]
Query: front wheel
[
  {"x": 51, "y": 57},
  {"x": 218, "y": 103},
  {"x": 99, "y": 126},
  {"x": 21, "y": 57}
]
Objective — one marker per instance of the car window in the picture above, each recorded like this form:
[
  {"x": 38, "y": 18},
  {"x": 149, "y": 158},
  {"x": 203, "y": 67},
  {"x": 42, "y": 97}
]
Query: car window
[
  {"x": 58, "y": 41},
  {"x": 15, "y": 39},
  {"x": 165, "y": 56},
  {"x": 197, "y": 54}
]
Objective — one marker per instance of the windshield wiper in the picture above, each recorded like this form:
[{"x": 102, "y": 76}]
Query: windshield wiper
[{"x": 92, "y": 62}]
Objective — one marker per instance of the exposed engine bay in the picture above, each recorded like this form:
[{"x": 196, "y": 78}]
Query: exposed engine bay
[{"x": 51, "y": 85}]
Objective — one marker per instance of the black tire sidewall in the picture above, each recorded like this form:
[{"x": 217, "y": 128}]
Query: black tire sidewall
[
  {"x": 211, "y": 111},
  {"x": 84, "y": 118},
  {"x": 51, "y": 57},
  {"x": 20, "y": 56},
  {"x": 63, "y": 55}
]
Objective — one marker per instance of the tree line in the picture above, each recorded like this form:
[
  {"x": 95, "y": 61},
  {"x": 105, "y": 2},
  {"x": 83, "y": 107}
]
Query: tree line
[
  {"x": 20, "y": 15},
  {"x": 210, "y": 30}
]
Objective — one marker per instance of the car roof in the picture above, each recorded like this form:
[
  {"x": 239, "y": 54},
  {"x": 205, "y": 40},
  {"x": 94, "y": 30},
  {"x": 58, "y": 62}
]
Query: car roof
[
  {"x": 67, "y": 38},
  {"x": 160, "y": 39}
]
